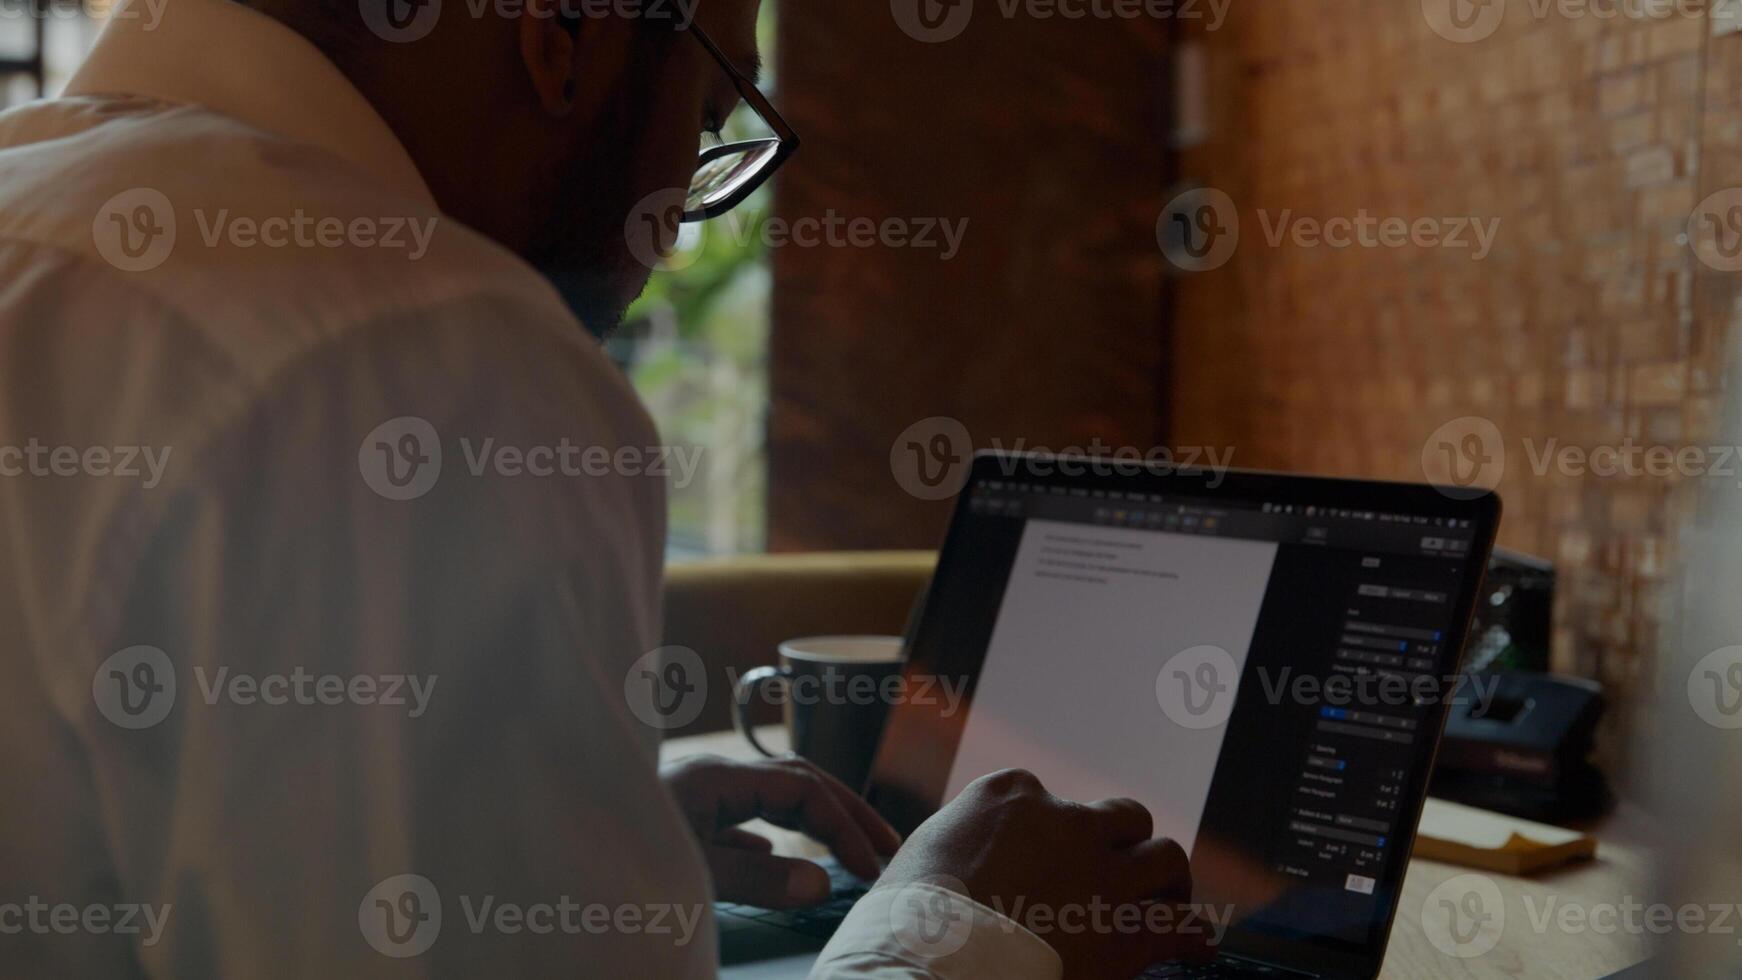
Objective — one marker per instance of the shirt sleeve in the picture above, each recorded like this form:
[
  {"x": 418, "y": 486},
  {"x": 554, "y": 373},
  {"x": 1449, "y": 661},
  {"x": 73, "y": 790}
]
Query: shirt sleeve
[{"x": 924, "y": 932}]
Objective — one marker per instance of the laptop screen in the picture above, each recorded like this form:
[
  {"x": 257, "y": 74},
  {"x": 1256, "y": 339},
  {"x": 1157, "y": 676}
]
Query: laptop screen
[{"x": 1262, "y": 666}]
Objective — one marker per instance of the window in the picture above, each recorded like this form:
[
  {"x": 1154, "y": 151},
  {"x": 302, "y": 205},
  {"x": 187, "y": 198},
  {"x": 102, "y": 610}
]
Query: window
[{"x": 696, "y": 348}]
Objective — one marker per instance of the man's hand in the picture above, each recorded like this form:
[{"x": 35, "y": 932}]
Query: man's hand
[
  {"x": 717, "y": 795},
  {"x": 1012, "y": 845}
]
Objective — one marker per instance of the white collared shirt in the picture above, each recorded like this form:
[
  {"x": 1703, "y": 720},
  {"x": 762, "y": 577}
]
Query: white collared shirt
[{"x": 331, "y": 541}]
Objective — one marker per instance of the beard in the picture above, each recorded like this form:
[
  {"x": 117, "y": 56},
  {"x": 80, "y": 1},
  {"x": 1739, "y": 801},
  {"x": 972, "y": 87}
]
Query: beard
[{"x": 582, "y": 247}]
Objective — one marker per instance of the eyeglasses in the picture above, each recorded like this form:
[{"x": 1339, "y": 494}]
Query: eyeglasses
[{"x": 727, "y": 174}]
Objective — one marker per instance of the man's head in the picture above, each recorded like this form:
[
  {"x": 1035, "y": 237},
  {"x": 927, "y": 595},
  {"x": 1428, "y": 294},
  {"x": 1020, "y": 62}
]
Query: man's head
[{"x": 543, "y": 123}]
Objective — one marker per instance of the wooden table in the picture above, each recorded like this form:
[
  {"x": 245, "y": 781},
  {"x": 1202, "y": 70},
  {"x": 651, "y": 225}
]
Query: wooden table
[{"x": 1621, "y": 871}]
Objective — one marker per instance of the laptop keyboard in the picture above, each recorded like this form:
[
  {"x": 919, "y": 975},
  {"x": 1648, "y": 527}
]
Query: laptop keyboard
[
  {"x": 1224, "y": 967},
  {"x": 845, "y": 890},
  {"x": 820, "y": 921}
]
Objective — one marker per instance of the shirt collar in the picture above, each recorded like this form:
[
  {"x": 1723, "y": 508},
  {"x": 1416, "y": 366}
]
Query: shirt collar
[{"x": 243, "y": 64}]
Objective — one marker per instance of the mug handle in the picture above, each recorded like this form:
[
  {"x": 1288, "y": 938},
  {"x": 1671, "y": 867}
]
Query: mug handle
[{"x": 744, "y": 691}]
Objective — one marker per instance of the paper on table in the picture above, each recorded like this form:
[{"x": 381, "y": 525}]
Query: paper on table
[{"x": 1459, "y": 834}]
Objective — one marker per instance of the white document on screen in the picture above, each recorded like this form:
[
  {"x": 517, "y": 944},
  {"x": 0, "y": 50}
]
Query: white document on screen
[{"x": 1069, "y": 688}]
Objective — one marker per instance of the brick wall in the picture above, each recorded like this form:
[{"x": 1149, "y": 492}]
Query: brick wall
[
  {"x": 1046, "y": 138},
  {"x": 1591, "y": 322}
]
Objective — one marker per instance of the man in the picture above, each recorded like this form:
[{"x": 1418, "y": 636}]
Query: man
[{"x": 315, "y": 660}]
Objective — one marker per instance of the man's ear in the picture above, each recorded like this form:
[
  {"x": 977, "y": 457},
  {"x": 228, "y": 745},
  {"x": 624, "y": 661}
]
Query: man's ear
[{"x": 547, "y": 49}]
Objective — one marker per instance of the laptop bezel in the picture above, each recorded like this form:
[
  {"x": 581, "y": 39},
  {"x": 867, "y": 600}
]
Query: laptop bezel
[{"x": 1482, "y": 508}]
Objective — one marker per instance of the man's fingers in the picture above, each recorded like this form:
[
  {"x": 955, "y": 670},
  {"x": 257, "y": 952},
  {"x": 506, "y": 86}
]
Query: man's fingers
[
  {"x": 743, "y": 840},
  {"x": 1162, "y": 870},
  {"x": 883, "y": 837},
  {"x": 765, "y": 880},
  {"x": 1124, "y": 823},
  {"x": 799, "y": 797}
]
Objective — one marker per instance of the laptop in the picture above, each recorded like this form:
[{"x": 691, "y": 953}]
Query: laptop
[{"x": 1264, "y": 661}]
